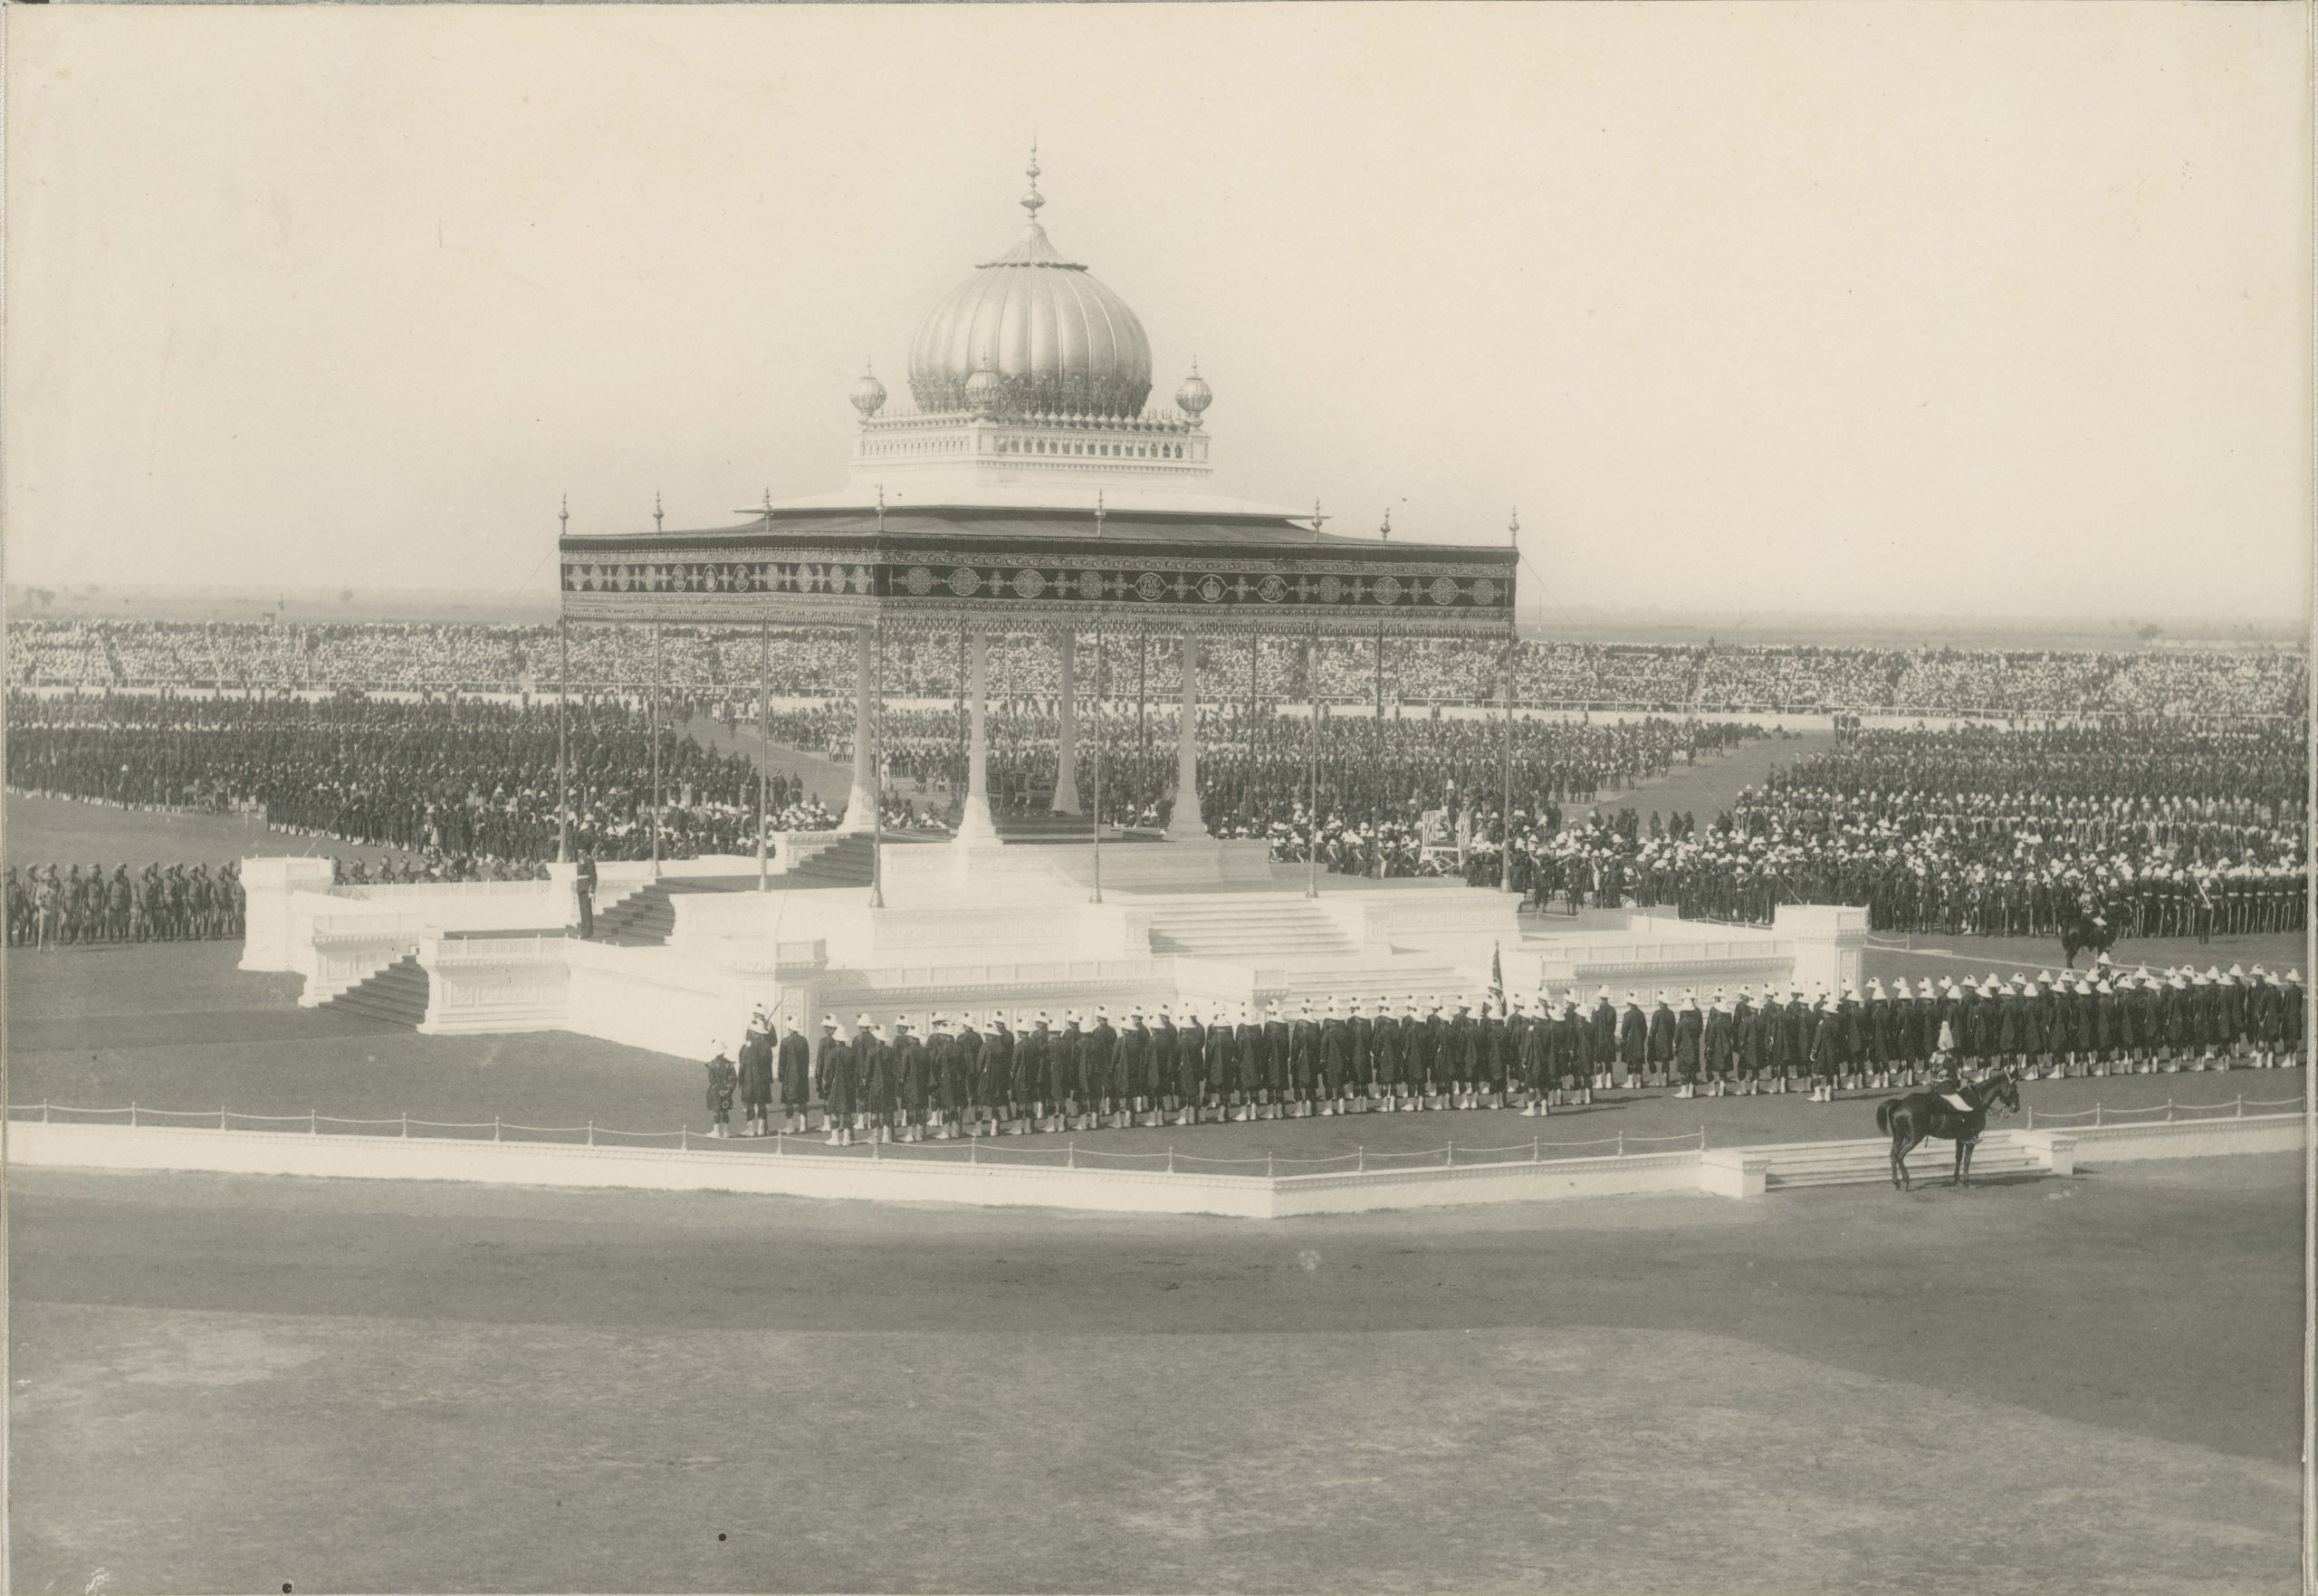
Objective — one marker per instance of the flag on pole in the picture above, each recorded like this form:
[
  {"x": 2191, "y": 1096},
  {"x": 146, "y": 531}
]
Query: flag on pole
[{"x": 1497, "y": 976}]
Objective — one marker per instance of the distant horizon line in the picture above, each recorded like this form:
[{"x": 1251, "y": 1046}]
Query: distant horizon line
[{"x": 80, "y": 602}]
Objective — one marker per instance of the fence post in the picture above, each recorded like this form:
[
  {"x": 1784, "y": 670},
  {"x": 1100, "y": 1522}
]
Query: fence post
[
  {"x": 973, "y": 1150},
  {"x": 780, "y": 1143},
  {"x": 1171, "y": 1159},
  {"x": 132, "y": 1113},
  {"x": 1621, "y": 1144},
  {"x": 44, "y": 1111},
  {"x": 591, "y": 1133},
  {"x": 873, "y": 1147},
  {"x": 221, "y": 1118},
  {"x": 1701, "y": 1137},
  {"x": 406, "y": 1124},
  {"x": 1360, "y": 1157},
  {"x": 2241, "y": 1106},
  {"x": 2168, "y": 1111},
  {"x": 1534, "y": 1145},
  {"x": 683, "y": 1137},
  {"x": 2031, "y": 1112},
  {"x": 1070, "y": 1156},
  {"x": 2096, "y": 1114},
  {"x": 494, "y": 1127},
  {"x": 1266, "y": 1166}
]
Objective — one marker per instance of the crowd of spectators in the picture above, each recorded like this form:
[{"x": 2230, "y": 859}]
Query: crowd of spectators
[
  {"x": 1261, "y": 771},
  {"x": 2160, "y": 828},
  {"x": 475, "y": 783},
  {"x": 1658, "y": 678},
  {"x": 2150, "y": 800}
]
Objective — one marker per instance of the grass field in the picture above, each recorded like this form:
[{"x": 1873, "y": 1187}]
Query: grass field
[
  {"x": 239, "y": 1384},
  {"x": 60, "y": 831},
  {"x": 227, "y": 1383}
]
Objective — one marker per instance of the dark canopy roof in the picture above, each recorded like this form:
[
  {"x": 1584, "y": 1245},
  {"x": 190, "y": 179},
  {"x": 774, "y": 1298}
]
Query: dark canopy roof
[{"x": 1029, "y": 567}]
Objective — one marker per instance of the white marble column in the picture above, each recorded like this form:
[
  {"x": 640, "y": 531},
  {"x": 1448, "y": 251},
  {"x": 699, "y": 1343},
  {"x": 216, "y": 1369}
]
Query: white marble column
[
  {"x": 974, "y": 823},
  {"x": 1186, "y": 822},
  {"x": 861, "y": 804},
  {"x": 1066, "y": 771}
]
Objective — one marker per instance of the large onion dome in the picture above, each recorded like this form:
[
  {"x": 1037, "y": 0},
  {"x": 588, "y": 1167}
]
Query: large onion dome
[{"x": 1046, "y": 334}]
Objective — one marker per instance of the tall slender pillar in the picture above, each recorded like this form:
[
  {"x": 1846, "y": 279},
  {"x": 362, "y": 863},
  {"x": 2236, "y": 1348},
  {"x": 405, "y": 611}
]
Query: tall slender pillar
[
  {"x": 974, "y": 823},
  {"x": 1065, "y": 754},
  {"x": 657, "y": 803},
  {"x": 861, "y": 803},
  {"x": 1187, "y": 821},
  {"x": 562, "y": 740},
  {"x": 764, "y": 725}
]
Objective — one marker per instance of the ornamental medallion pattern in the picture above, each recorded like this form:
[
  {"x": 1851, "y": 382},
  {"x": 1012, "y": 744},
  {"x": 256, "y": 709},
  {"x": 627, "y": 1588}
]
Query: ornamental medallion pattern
[{"x": 1445, "y": 592}]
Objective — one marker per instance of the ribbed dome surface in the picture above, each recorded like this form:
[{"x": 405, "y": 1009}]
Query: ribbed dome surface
[{"x": 1058, "y": 341}]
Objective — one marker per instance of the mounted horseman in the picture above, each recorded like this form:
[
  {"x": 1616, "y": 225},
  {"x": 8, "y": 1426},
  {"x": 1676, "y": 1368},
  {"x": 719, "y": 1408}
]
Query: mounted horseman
[
  {"x": 2089, "y": 932},
  {"x": 1959, "y": 1115}
]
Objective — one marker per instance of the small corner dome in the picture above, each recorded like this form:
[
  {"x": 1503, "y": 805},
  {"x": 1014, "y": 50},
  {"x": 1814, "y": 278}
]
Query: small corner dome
[{"x": 1194, "y": 396}]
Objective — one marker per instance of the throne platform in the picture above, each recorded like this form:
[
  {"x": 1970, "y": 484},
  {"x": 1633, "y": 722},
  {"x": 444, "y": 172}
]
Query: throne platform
[{"x": 682, "y": 957}]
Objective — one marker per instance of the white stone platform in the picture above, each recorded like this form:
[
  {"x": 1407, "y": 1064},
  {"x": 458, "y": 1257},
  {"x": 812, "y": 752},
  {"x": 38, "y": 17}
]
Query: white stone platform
[{"x": 1201, "y": 923}]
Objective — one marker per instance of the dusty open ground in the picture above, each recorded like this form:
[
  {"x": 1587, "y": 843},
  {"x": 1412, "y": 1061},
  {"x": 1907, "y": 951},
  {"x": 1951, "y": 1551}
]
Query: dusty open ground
[
  {"x": 235, "y": 1383},
  {"x": 238, "y": 1384}
]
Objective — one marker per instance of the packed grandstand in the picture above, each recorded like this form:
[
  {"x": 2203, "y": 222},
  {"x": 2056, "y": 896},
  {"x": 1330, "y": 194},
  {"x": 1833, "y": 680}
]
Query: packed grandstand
[
  {"x": 1660, "y": 678},
  {"x": 2184, "y": 822}
]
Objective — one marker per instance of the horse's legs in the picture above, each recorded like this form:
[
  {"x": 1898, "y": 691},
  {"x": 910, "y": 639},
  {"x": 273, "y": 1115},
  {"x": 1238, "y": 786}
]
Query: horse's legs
[{"x": 1898, "y": 1165}]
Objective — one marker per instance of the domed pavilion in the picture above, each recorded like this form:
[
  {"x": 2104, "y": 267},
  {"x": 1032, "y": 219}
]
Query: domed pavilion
[{"x": 1030, "y": 486}]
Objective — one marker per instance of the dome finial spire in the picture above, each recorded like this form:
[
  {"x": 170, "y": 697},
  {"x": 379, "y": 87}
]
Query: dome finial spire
[{"x": 1033, "y": 199}]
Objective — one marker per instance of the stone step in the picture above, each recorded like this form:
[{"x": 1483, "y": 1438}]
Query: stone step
[
  {"x": 1843, "y": 1167},
  {"x": 397, "y": 994},
  {"x": 1248, "y": 947}
]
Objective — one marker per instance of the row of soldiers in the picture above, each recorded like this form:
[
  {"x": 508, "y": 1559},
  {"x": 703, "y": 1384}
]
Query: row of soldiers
[
  {"x": 995, "y": 1073},
  {"x": 48, "y": 908}
]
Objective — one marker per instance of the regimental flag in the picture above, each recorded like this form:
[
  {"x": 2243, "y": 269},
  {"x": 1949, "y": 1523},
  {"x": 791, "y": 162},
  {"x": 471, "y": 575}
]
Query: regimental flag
[{"x": 1497, "y": 977}]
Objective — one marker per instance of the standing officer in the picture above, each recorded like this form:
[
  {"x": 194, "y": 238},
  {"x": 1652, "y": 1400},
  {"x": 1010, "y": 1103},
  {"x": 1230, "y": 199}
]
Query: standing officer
[
  {"x": 1334, "y": 1061},
  {"x": 1033, "y": 1042},
  {"x": 722, "y": 1079},
  {"x": 583, "y": 886},
  {"x": 795, "y": 1069},
  {"x": 1248, "y": 1048},
  {"x": 1194, "y": 1086},
  {"x": 1604, "y": 1023},
  {"x": 837, "y": 1082},
  {"x": 756, "y": 1076},
  {"x": 879, "y": 1068}
]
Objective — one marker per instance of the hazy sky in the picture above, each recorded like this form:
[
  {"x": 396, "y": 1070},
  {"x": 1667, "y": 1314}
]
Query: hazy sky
[{"x": 1823, "y": 309}]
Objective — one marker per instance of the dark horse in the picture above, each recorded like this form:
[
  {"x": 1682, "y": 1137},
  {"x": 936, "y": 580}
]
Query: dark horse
[
  {"x": 1909, "y": 1119},
  {"x": 2088, "y": 934}
]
